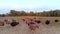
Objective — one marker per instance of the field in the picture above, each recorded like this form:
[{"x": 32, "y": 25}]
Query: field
[{"x": 22, "y": 28}]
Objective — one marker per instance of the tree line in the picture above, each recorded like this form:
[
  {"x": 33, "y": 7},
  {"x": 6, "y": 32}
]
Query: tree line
[{"x": 51, "y": 13}]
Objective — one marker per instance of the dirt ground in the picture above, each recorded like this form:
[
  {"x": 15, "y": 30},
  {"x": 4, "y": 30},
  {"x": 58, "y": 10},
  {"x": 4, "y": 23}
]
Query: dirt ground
[{"x": 22, "y": 28}]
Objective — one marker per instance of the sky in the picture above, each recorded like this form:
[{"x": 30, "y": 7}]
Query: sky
[{"x": 28, "y": 5}]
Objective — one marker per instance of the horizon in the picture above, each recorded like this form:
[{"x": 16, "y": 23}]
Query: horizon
[{"x": 28, "y": 5}]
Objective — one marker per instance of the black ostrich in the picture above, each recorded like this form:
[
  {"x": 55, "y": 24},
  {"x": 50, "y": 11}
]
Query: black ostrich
[
  {"x": 47, "y": 22},
  {"x": 14, "y": 23},
  {"x": 38, "y": 21}
]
